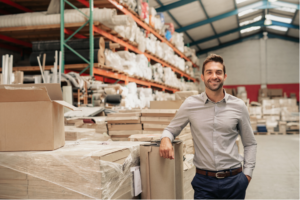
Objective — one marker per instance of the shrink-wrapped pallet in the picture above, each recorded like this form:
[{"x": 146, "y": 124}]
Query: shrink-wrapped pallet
[{"x": 81, "y": 170}]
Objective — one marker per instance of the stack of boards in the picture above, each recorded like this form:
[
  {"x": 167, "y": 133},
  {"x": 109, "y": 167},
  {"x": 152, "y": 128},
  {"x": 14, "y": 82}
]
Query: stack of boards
[
  {"x": 122, "y": 125},
  {"x": 75, "y": 171}
]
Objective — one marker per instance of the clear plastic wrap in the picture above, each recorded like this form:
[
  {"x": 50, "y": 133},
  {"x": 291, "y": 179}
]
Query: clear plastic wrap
[
  {"x": 79, "y": 170},
  {"x": 113, "y": 60}
]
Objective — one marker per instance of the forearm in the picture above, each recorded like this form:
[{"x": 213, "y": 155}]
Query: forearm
[{"x": 249, "y": 159}]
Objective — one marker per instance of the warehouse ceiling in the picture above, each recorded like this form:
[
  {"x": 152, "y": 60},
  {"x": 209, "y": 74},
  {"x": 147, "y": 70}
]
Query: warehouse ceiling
[{"x": 211, "y": 24}]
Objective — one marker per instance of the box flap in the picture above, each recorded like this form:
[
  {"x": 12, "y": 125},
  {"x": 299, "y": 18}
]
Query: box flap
[
  {"x": 23, "y": 94},
  {"x": 66, "y": 104},
  {"x": 53, "y": 89}
]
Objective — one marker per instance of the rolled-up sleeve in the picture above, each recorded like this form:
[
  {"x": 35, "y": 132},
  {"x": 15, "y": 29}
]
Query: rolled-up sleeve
[
  {"x": 178, "y": 123},
  {"x": 249, "y": 142}
]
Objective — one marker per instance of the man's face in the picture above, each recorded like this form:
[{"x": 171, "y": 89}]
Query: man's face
[{"x": 214, "y": 76}]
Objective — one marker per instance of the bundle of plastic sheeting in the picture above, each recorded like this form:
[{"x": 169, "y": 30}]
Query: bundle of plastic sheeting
[
  {"x": 179, "y": 62},
  {"x": 177, "y": 39},
  {"x": 132, "y": 4},
  {"x": 191, "y": 53},
  {"x": 79, "y": 170},
  {"x": 143, "y": 66},
  {"x": 161, "y": 96},
  {"x": 113, "y": 60},
  {"x": 131, "y": 99},
  {"x": 128, "y": 30},
  {"x": 170, "y": 77},
  {"x": 140, "y": 39},
  {"x": 159, "y": 50},
  {"x": 104, "y": 16},
  {"x": 145, "y": 95},
  {"x": 158, "y": 72},
  {"x": 151, "y": 43}
]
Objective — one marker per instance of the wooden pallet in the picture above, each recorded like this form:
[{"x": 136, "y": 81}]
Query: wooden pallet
[
  {"x": 293, "y": 132},
  {"x": 276, "y": 133},
  {"x": 260, "y": 133}
]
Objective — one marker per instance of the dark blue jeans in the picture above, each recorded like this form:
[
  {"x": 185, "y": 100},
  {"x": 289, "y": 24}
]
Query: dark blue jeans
[{"x": 232, "y": 187}]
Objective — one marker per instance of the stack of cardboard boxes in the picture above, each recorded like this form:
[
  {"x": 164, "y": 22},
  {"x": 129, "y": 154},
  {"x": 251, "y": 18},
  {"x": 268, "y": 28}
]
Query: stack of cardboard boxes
[{"x": 266, "y": 93}]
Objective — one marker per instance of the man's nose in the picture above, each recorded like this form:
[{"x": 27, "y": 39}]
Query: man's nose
[{"x": 214, "y": 75}]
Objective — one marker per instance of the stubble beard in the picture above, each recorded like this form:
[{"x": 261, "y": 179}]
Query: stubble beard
[{"x": 212, "y": 89}]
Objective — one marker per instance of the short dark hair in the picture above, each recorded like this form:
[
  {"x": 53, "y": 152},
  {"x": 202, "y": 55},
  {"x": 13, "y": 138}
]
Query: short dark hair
[{"x": 213, "y": 58}]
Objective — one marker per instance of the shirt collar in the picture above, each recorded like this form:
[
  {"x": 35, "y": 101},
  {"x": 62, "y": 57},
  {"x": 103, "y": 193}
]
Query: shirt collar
[{"x": 206, "y": 99}]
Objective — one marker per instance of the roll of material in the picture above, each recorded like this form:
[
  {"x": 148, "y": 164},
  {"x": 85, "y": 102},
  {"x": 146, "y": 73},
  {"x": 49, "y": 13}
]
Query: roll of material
[
  {"x": 70, "y": 57},
  {"x": 113, "y": 99},
  {"x": 76, "y": 44}
]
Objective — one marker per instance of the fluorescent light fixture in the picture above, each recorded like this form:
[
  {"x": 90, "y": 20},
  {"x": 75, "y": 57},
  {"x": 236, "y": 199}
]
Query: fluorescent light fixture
[
  {"x": 267, "y": 22},
  {"x": 279, "y": 19},
  {"x": 240, "y": 1},
  {"x": 278, "y": 28},
  {"x": 245, "y": 12},
  {"x": 272, "y": 0},
  {"x": 286, "y": 9},
  {"x": 251, "y": 21},
  {"x": 253, "y": 28}
]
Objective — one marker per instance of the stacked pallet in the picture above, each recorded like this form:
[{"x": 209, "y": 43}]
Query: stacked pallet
[
  {"x": 96, "y": 123},
  {"x": 122, "y": 125},
  {"x": 156, "y": 119},
  {"x": 75, "y": 171}
]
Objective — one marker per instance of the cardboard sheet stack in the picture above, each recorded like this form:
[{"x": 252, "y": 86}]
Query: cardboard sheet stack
[
  {"x": 86, "y": 129},
  {"x": 156, "y": 120},
  {"x": 89, "y": 170},
  {"x": 122, "y": 125}
]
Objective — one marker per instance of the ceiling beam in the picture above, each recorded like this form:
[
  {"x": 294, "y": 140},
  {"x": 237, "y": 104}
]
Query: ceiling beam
[
  {"x": 250, "y": 37},
  {"x": 292, "y": 20},
  {"x": 237, "y": 17},
  {"x": 257, "y": 5},
  {"x": 211, "y": 25},
  {"x": 258, "y": 23},
  {"x": 173, "y": 5}
]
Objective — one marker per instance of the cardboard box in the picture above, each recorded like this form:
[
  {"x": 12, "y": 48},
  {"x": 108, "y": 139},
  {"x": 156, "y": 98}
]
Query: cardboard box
[
  {"x": 161, "y": 178},
  {"x": 275, "y": 92},
  {"x": 263, "y": 92},
  {"x": 231, "y": 91},
  {"x": 165, "y": 104},
  {"x": 32, "y": 117},
  {"x": 121, "y": 127}
]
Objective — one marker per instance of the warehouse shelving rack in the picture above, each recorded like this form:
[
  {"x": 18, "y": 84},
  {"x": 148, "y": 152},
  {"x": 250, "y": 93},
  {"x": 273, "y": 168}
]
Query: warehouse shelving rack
[{"x": 96, "y": 29}]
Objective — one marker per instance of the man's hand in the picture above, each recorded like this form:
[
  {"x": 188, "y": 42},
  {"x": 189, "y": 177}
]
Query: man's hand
[
  {"x": 249, "y": 178},
  {"x": 166, "y": 148}
]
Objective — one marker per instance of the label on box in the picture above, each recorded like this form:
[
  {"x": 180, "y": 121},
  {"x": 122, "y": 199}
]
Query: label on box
[{"x": 136, "y": 180}]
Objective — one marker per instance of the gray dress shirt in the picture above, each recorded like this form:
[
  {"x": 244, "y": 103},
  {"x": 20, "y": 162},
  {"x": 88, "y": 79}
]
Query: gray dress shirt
[{"x": 215, "y": 128}]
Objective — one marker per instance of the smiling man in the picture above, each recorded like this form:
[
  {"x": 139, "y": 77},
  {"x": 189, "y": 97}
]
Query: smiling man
[{"x": 216, "y": 119}]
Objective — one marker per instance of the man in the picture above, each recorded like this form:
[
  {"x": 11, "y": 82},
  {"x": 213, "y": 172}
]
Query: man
[{"x": 216, "y": 118}]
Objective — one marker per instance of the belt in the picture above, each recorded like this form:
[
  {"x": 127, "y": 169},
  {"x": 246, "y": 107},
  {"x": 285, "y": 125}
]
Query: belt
[{"x": 221, "y": 174}]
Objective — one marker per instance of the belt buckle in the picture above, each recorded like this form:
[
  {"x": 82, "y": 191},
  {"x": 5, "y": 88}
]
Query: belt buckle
[{"x": 218, "y": 173}]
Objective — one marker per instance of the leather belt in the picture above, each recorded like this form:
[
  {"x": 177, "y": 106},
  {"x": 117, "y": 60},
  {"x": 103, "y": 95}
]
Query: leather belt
[{"x": 221, "y": 174}]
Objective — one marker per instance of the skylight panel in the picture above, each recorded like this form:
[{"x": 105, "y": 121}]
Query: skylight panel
[
  {"x": 286, "y": 9},
  {"x": 251, "y": 21},
  {"x": 245, "y": 12},
  {"x": 253, "y": 28},
  {"x": 278, "y": 28},
  {"x": 279, "y": 19}
]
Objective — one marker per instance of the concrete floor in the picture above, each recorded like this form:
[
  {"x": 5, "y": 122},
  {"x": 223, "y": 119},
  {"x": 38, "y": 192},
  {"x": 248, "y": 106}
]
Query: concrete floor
[{"x": 276, "y": 175}]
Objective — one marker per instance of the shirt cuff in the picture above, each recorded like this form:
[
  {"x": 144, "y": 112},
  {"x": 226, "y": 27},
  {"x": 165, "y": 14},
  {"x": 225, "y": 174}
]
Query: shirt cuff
[
  {"x": 248, "y": 171},
  {"x": 167, "y": 134}
]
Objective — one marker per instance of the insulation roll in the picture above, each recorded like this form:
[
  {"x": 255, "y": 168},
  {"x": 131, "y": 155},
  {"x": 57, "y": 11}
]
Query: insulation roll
[
  {"x": 70, "y": 57},
  {"x": 113, "y": 99}
]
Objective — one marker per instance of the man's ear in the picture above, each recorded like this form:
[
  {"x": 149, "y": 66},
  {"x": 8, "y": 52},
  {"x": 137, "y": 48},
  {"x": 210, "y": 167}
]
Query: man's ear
[
  {"x": 225, "y": 76},
  {"x": 202, "y": 77}
]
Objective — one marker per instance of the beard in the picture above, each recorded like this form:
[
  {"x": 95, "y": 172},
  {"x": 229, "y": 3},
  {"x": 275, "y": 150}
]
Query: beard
[{"x": 218, "y": 87}]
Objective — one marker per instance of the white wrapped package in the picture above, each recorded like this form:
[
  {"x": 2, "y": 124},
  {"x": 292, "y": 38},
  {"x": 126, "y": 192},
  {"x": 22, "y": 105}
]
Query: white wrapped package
[
  {"x": 159, "y": 51},
  {"x": 140, "y": 39},
  {"x": 158, "y": 72},
  {"x": 113, "y": 60},
  {"x": 177, "y": 39}
]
